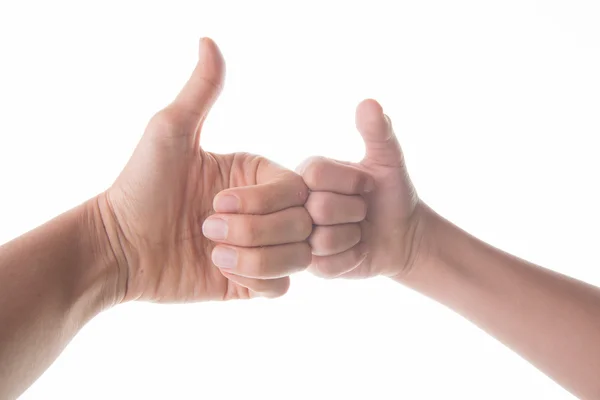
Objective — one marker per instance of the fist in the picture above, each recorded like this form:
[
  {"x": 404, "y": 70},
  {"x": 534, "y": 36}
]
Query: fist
[
  {"x": 171, "y": 243},
  {"x": 367, "y": 215}
]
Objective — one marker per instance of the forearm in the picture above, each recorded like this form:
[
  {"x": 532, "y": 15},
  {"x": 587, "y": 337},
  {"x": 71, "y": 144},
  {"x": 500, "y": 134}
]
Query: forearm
[
  {"x": 550, "y": 319},
  {"x": 52, "y": 281}
]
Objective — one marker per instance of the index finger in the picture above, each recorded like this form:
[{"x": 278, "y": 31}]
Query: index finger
[
  {"x": 325, "y": 175},
  {"x": 277, "y": 189}
]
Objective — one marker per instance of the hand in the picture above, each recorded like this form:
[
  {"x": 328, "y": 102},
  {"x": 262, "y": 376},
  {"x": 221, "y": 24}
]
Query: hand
[
  {"x": 367, "y": 215},
  {"x": 160, "y": 209}
]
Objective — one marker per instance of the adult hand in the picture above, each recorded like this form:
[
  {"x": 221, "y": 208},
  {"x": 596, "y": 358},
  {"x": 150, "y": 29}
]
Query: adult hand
[
  {"x": 367, "y": 214},
  {"x": 159, "y": 212}
]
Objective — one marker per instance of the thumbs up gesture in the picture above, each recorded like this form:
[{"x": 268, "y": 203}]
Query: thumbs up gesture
[
  {"x": 173, "y": 196},
  {"x": 368, "y": 218}
]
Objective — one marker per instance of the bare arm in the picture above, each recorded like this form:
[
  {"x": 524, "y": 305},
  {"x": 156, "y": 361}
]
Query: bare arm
[
  {"x": 550, "y": 319},
  {"x": 144, "y": 238},
  {"x": 52, "y": 280}
]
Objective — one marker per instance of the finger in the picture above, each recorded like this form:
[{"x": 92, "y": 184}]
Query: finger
[
  {"x": 286, "y": 190},
  {"x": 261, "y": 287},
  {"x": 204, "y": 85},
  {"x": 263, "y": 262},
  {"x": 286, "y": 226},
  {"x": 338, "y": 264},
  {"x": 330, "y": 240},
  {"x": 324, "y": 174},
  {"x": 382, "y": 147},
  {"x": 184, "y": 116},
  {"x": 327, "y": 208}
]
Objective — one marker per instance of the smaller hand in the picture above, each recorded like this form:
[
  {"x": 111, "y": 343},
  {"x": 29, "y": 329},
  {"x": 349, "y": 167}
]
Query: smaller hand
[{"x": 367, "y": 215}]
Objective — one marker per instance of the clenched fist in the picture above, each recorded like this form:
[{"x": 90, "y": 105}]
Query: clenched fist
[{"x": 367, "y": 215}]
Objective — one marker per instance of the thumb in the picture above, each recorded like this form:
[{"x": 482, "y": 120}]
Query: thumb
[
  {"x": 382, "y": 147},
  {"x": 183, "y": 118}
]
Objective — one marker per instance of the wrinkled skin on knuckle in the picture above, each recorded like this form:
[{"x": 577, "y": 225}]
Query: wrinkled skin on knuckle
[
  {"x": 357, "y": 182},
  {"x": 244, "y": 168}
]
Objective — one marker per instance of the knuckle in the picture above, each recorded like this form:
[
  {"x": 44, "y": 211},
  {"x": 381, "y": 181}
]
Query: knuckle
[
  {"x": 328, "y": 240},
  {"x": 362, "y": 208},
  {"x": 355, "y": 233},
  {"x": 302, "y": 190},
  {"x": 313, "y": 170},
  {"x": 328, "y": 274},
  {"x": 277, "y": 288},
  {"x": 323, "y": 239},
  {"x": 355, "y": 183},
  {"x": 248, "y": 231},
  {"x": 254, "y": 233},
  {"x": 319, "y": 207},
  {"x": 304, "y": 255},
  {"x": 263, "y": 201},
  {"x": 261, "y": 286},
  {"x": 284, "y": 287},
  {"x": 164, "y": 121},
  {"x": 304, "y": 223},
  {"x": 258, "y": 263},
  {"x": 322, "y": 268}
]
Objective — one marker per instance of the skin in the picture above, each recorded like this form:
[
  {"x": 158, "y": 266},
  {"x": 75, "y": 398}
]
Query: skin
[
  {"x": 145, "y": 237},
  {"x": 548, "y": 318}
]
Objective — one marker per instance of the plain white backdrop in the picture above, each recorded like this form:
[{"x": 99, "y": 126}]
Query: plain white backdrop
[{"x": 497, "y": 106}]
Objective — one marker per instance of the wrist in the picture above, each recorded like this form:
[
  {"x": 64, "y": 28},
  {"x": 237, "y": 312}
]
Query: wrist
[
  {"x": 110, "y": 259},
  {"x": 416, "y": 244},
  {"x": 449, "y": 263},
  {"x": 431, "y": 241}
]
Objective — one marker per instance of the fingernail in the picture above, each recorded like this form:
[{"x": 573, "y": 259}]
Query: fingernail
[
  {"x": 224, "y": 257},
  {"x": 215, "y": 228},
  {"x": 227, "y": 204},
  {"x": 369, "y": 186}
]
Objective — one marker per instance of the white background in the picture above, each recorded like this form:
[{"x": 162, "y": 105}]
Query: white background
[{"x": 497, "y": 105}]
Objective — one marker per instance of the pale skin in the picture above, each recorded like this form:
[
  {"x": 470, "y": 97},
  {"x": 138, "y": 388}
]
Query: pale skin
[
  {"x": 143, "y": 239},
  {"x": 550, "y": 319},
  {"x": 181, "y": 224}
]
